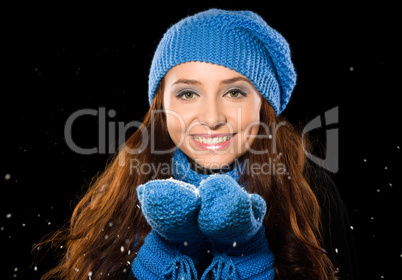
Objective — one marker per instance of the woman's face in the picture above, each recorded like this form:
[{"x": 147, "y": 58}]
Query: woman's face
[{"x": 212, "y": 112}]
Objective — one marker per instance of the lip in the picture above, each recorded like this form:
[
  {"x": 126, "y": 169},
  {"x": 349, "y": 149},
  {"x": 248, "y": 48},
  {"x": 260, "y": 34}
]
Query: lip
[
  {"x": 212, "y": 135},
  {"x": 218, "y": 146}
]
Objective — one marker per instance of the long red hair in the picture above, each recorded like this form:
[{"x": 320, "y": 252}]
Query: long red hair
[{"x": 107, "y": 227}]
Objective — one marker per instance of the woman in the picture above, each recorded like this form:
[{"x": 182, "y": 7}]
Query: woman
[{"x": 215, "y": 184}]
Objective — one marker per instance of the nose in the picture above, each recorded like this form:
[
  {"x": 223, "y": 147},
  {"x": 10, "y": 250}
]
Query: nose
[{"x": 212, "y": 114}]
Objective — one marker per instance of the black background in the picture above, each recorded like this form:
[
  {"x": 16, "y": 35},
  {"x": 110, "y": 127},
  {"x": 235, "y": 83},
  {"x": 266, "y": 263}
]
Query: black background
[{"x": 58, "y": 60}]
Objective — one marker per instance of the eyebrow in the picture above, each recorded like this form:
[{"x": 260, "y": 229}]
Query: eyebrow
[
  {"x": 223, "y": 82},
  {"x": 235, "y": 79},
  {"x": 186, "y": 81}
]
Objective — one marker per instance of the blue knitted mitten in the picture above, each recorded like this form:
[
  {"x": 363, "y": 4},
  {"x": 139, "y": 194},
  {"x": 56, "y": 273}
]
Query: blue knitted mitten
[
  {"x": 232, "y": 219},
  {"x": 175, "y": 244}
]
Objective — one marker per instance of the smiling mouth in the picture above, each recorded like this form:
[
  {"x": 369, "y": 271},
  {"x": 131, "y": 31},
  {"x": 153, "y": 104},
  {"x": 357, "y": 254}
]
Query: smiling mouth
[{"x": 213, "y": 140}]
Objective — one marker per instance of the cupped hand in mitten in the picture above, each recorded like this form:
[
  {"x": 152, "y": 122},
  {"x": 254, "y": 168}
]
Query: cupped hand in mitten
[
  {"x": 171, "y": 208},
  {"x": 229, "y": 215}
]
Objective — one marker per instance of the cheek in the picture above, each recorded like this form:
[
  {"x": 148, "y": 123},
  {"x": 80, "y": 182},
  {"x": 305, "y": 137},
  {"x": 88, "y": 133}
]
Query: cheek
[
  {"x": 175, "y": 126},
  {"x": 251, "y": 122},
  {"x": 251, "y": 115},
  {"x": 174, "y": 121}
]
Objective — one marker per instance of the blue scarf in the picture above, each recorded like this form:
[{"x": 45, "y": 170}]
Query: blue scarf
[{"x": 183, "y": 171}]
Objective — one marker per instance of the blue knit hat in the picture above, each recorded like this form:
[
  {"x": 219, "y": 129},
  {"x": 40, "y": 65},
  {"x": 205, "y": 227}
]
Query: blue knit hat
[{"x": 239, "y": 40}]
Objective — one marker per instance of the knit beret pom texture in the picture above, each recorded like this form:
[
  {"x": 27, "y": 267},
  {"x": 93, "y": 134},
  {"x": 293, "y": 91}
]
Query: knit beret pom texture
[{"x": 239, "y": 40}]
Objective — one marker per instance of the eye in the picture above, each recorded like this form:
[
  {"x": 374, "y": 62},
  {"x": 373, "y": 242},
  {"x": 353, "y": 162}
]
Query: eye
[
  {"x": 186, "y": 95},
  {"x": 235, "y": 93}
]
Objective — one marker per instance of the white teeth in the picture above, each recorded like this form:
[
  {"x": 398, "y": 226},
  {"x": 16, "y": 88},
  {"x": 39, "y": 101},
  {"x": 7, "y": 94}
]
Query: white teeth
[{"x": 211, "y": 141}]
